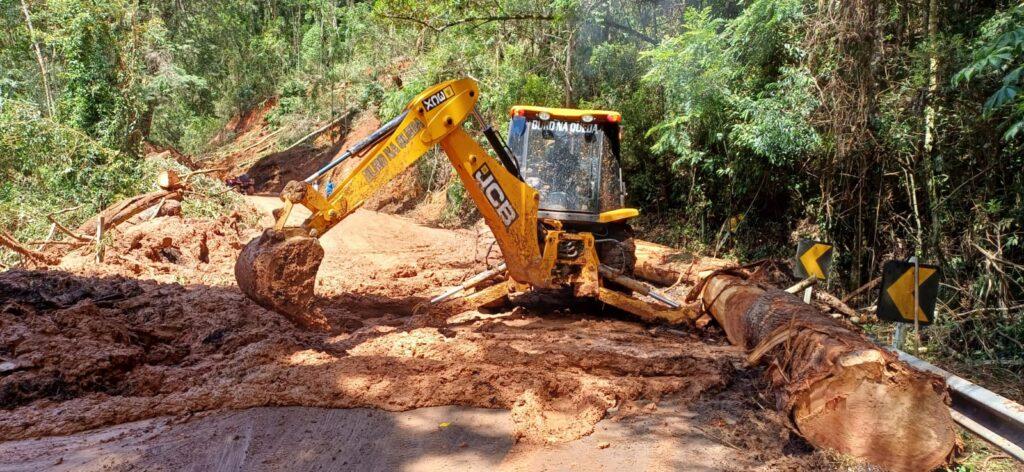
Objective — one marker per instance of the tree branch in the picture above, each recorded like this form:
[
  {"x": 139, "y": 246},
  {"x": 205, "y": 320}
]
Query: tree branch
[
  {"x": 628, "y": 29},
  {"x": 479, "y": 20}
]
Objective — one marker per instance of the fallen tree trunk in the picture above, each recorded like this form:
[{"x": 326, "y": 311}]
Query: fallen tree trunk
[
  {"x": 664, "y": 265},
  {"x": 127, "y": 208},
  {"x": 840, "y": 391}
]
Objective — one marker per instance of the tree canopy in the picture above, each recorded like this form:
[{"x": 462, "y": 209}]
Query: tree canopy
[{"x": 893, "y": 129}]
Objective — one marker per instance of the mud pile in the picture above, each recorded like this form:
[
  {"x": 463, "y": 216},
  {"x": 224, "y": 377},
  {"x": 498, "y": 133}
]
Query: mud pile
[
  {"x": 87, "y": 352},
  {"x": 160, "y": 329},
  {"x": 278, "y": 270},
  {"x": 168, "y": 249}
]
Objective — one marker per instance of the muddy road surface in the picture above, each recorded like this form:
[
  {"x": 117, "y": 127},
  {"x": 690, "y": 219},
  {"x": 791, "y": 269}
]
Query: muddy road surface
[{"x": 154, "y": 360}]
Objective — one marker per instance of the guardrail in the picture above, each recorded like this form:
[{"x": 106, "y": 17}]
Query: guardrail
[{"x": 991, "y": 416}]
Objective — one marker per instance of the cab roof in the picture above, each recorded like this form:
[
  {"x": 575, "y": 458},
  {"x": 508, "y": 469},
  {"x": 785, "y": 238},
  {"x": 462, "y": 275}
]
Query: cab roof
[{"x": 567, "y": 114}]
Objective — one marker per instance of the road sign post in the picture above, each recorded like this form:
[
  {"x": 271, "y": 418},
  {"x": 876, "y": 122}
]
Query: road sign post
[
  {"x": 909, "y": 291},
  {"x": 813, "y": 259}
]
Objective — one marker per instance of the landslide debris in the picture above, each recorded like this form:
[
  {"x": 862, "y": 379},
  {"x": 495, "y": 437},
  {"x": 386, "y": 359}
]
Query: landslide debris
[
  {"x": 160, "y": 329},
  {"x": 126, "y": 350},
  {"x": 168, "y": 249}
]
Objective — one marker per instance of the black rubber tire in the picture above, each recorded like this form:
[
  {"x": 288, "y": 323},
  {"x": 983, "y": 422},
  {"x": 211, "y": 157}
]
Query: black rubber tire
[{"x": 621, "y": 254}]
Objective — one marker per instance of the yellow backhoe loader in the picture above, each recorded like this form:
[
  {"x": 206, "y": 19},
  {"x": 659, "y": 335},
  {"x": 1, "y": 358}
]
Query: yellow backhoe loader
[{"x": 552, "y": 196}]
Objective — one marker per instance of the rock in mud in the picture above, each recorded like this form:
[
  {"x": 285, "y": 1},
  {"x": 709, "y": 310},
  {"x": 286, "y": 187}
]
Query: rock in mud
[{"x": 278, "y": 269}]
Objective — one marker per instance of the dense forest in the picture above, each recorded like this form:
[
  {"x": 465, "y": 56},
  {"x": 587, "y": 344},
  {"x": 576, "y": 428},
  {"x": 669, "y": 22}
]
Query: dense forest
[{"x": 891, "y": 128}]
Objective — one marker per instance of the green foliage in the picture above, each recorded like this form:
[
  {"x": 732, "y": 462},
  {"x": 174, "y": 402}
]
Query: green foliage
[
  {"x": 196, "y": 132},
  {"x": 1000, "y": 52},
  {"x": 47, "y": 166},
  {"x": 775, "y": 126},
  {"x": 738, "y": 102},
  {"x": 101, "y": 91}
]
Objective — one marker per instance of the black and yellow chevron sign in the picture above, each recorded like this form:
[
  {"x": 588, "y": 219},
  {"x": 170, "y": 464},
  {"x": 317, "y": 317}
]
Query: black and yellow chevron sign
[
  {"x": 812, "y": 259},
  {"x": 896, "y": 301}
]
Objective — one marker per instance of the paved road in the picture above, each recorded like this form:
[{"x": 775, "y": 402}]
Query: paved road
[{"x": 312, "y": 439}]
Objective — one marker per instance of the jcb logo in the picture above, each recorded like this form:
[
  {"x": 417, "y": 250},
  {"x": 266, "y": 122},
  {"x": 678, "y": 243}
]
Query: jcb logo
[
  {"x": 438, "y": 98},
  {"x": 496, "y": 195}
]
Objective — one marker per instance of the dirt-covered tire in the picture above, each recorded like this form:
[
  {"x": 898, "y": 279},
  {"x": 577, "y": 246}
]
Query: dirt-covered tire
[{"x": 619, "y": 254}]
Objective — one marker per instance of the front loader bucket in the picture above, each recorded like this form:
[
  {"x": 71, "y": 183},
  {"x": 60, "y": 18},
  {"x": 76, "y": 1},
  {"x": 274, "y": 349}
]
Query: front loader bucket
[{"x": 278, "y": 269}]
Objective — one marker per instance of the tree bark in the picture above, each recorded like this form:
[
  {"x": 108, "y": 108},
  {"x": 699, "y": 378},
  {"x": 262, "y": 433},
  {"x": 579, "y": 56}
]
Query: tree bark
[
  {"x": 664, "y": 265},
  {"x": 840, "y": 391},
  {"x": 39, "y": 59},
  {"x": 930, "y": 115},
  {"x": 127, "y": 208}
]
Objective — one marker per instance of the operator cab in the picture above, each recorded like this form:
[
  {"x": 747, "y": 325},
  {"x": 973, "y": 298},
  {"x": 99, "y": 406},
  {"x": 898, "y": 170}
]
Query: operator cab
[{"x": 571, "y": 157}]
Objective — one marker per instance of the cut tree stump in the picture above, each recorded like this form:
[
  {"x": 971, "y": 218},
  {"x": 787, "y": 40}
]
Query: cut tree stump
[{"x": 841, "y": 391}]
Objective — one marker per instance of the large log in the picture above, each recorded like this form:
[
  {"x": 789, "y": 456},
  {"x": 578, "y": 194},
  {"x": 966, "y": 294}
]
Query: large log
[
  {"x": 664, "y": 265},
  {"x": 840, "y": 390},
  {"x": 127, "y": 208}
]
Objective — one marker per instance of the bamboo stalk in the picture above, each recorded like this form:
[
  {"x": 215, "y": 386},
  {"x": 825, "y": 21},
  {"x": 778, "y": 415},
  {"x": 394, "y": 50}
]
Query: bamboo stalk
[
  {"x": 66, "y": 231},
  {"x": 203, "y": 171},
  {"x": 323, "y": 128},
  {"x": 39, "y": 59}
]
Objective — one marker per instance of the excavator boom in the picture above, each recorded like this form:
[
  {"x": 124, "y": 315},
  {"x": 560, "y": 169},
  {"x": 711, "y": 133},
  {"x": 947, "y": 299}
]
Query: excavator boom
[
  {"x": 267, "y": 269},
  {"x": 278, "y": 269}
]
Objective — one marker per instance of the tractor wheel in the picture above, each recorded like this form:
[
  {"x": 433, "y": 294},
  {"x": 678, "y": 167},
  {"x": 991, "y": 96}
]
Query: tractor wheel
[{"x": 619, "y": 254}]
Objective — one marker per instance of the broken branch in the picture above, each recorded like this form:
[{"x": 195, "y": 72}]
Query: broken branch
[
  {"x": 64, "y": 229},
  {"x": 834, "y": 303},
  {"x": 863, "y": 288},
  {"x": 12, "y": 244},
  {"x": 803, "y": 284}
]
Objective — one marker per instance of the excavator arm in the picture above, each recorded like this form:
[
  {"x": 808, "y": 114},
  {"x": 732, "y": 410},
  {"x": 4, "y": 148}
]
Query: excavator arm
[
  {"x": 278, "y": 269},
  {"x": 436, "y": 117},
  {"x": 281, "y": 278}
]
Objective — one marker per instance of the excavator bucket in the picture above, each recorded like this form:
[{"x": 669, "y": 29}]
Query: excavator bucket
[{"x": 278, "y": 269}]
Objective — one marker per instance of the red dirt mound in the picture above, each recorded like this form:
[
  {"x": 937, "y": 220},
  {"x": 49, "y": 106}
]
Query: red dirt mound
[
  {"x": 168, "y": 249},
  {"x": 124, "y": 350},
  {"x": 86, "y": 347},
  {"x": 272, "y": 172}
]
